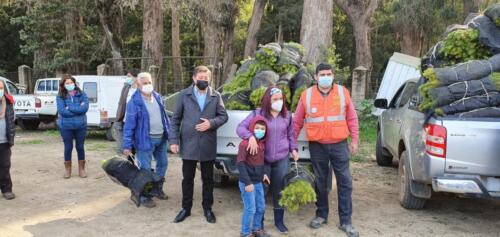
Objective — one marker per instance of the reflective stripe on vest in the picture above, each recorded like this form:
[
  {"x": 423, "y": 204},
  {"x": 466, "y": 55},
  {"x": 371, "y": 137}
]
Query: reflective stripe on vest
[{"x": 340, "y": 117}]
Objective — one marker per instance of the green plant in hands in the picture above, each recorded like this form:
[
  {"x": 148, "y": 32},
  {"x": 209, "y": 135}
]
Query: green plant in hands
[{"x": 296, "y": 194}]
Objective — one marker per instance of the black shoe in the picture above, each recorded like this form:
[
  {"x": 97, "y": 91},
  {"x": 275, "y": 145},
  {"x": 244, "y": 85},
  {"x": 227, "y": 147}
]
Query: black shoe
[
  {"x": 149, "y": 203},
  {"x": 349, "y": 230},
  {"x": 183, "y": 214},
  {"x": 210, "y": 216},
  {"x": 317, "y": 222},
  {"x": 9, "y": 195}
]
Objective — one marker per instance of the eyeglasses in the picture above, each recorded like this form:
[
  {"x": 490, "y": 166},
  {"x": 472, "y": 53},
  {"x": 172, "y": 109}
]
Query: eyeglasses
[{"x": 276, "y": 91}]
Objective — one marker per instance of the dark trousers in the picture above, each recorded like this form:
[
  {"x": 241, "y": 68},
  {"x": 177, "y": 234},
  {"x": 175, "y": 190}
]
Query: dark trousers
[
  {"x": 336, "y": 156},
  {"x": 207, "y": 177},
  {"x": 5, "y": 181},
  {"x": 77, "y": 135},
  {"x": 277, "y": 172}
]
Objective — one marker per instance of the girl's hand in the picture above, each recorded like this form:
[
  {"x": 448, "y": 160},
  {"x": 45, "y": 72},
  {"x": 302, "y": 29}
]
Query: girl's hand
[
  {"x": 253, "y": 146},
  {"x": 249, "y": 188}
]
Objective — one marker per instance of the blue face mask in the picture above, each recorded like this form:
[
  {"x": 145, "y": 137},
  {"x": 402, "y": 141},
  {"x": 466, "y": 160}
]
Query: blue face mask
[
  {"x": 70, "y": 87},
  {"x": 259, "y": 133},
  {"x": 325, "y": 81},
  {"x": 1, "y": 93}
]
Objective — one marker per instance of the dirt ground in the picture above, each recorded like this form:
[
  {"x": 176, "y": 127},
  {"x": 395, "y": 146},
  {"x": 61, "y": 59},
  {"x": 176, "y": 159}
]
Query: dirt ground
[{"x": 47, "y": 205}]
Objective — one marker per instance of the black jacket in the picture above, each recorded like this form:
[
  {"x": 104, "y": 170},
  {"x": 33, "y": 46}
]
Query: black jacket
[
  {"x": 122, "y": 103},
  {"x": 10, "y": 118}
]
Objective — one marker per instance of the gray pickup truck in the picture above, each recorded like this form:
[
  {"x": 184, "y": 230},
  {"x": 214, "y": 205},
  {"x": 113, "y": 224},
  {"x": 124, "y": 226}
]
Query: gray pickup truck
[{"x": 443, "y": 154}]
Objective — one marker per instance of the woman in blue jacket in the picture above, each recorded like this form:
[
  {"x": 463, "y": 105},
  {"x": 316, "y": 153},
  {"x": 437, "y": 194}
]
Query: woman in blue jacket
[{"x": 72, "y": 106}]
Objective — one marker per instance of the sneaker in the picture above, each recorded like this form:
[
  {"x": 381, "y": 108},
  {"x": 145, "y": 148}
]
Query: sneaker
[
  {"x": 149, "y": 203},
  {"x": 317, "y": 222},
  {"x": 260, "y": 233},
  {"x": 349, "y": 230},
  {"x": 247, "y": 235},
  {"x": 9, "y": 195}
]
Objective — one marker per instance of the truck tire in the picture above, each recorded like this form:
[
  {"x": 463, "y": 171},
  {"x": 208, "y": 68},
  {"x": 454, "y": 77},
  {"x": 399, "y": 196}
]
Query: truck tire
[
  {"x": 110, "y": 134},
  {"x": 220, "y": 179},
  {"x": 382, "y": 155},
  {"x": 406, "y": 198},
  {"x": 28, "y": 124}
]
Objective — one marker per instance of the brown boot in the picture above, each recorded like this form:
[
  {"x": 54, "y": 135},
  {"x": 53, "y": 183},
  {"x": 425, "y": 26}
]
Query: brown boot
[
  {"x": 67, "y": 169},
  {"x": 81, "y": 169}
]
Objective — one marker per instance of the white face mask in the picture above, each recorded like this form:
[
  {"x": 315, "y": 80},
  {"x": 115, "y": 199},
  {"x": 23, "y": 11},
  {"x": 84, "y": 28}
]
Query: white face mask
[
  {"x": 277, "y": 105},
  {"x": 1, "y": 93},
  {"x": 147, "y": 89}
]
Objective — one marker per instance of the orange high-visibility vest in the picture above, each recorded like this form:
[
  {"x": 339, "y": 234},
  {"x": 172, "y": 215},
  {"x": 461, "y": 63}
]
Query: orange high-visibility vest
[{"x": 326, "y": 115}]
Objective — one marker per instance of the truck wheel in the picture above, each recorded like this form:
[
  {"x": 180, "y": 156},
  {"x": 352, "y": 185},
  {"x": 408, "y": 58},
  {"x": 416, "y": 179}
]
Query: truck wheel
[
  {"x": 28, "y": 124},
  {"x": 383, "y": 156},
  {"x": 406, "y": 198},
  {"x": 220, "y": 179},
  {"x": 110, "y": 134}
]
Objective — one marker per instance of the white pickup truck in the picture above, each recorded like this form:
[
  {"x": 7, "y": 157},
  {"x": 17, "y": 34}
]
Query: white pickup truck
[
  {"x": 40, "y": 106},
  {"x": 103, "y": 93},
  {"x": 24, "y": 105}
]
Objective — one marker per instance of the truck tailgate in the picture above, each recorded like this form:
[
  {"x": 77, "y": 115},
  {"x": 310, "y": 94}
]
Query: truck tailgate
[
  {"x": 24, "y": 104},
  {"x": 473, "y": 146}
]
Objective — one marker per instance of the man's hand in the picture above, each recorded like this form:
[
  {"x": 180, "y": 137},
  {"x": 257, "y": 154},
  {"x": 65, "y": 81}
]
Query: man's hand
[
  {"x": 295, "y": 155},
  {"x": 266, "y": 180},
  {"x": 174, "y": 148},
  {"x": 354, "y": 148},
  {"x": 204, "y": 126},
  {"x": 127, "y": 152},
  {"x": 249, "y": 188},
  {"x": 253, "y": 146}
]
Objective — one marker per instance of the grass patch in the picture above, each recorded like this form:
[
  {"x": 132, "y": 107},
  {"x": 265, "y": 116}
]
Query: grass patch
[
  {"x": 31, "y": 142},
  {"x": 97, "y": 147},
  {"x": 367, "y": 138},
  {"x": 51, "y": 132}
]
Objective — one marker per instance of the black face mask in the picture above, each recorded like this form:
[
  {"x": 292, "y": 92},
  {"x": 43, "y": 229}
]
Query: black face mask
[{"x": 202, "y": 85}]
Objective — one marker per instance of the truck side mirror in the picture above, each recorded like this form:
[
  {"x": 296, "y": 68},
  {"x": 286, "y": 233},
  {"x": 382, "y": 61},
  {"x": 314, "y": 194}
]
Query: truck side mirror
[
  {"x": 414, "y": 101},
  {"x": 381, "y": 103}
]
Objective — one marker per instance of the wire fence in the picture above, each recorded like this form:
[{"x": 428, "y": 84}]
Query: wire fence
[{"x": 174, "y": 74}]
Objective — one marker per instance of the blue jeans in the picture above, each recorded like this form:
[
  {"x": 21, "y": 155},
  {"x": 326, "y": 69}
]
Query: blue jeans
[
  {"x": 159, "y": 152},
  {"x": 254, "y": 206},
  {"x": 68, "y": 135}
]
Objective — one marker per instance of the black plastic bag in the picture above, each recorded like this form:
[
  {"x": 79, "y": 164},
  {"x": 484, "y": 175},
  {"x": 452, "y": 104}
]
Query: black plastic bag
[
  {"x": 298, "y": 172},
  {"x": 301, "y": 78},
  {"x": 489, "y": 112},
  {"x": 493, "y": 13},
  {"x": 264, "y": 79},
  {"x": 471, "y": 70},
  {"x": 489, "y": 33},
  {"x": 126, "y": 173},
  {"x": 448, "y": 94},
  {"x": 290, "y": 55},
  {"x": 472, "y": 103}
]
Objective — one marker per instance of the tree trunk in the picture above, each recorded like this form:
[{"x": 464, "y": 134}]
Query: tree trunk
[
  {"x": 176, "y": 45},
  {"x": 362, "y": 42},
  {"x": 152, "y": 38},
  {"x": 360, "y": 13},
  {"x": 111, "y": 23},
  {"x": 470, "y": 6},
  {"x": 73, "y": 24},
  {"x": 410, "y": 41},
  {"x": 253, "y": 27},
  {"x": 228, "y": 54},
  {"x": 316, "y": 29}
]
